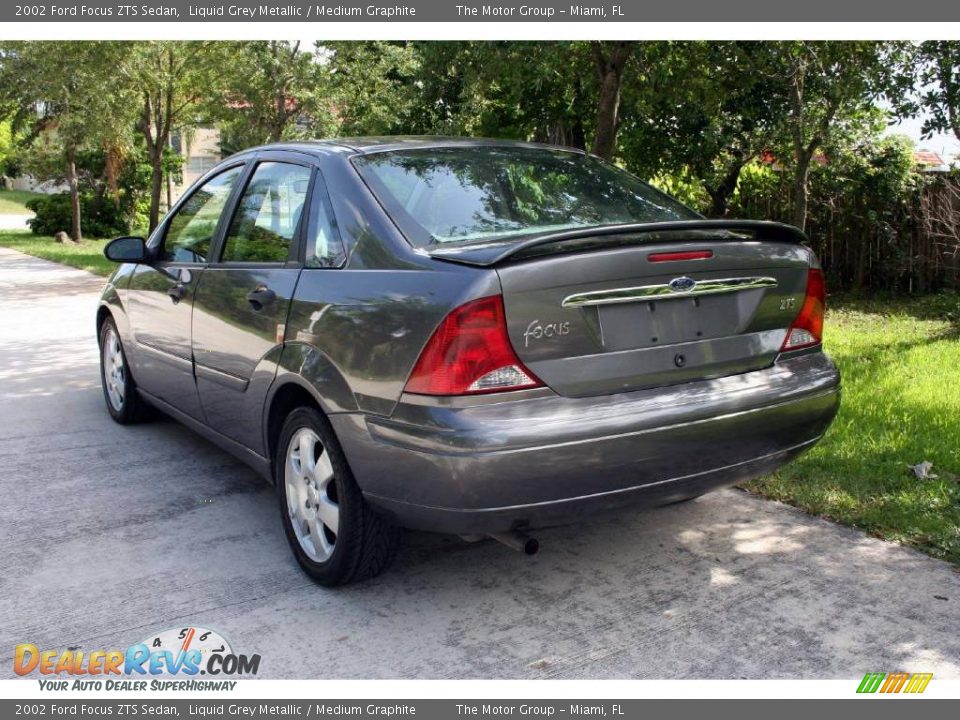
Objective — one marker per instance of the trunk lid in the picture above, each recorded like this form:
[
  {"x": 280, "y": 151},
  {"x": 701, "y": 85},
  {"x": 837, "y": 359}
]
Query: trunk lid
[{"x": 604, "y": 313}]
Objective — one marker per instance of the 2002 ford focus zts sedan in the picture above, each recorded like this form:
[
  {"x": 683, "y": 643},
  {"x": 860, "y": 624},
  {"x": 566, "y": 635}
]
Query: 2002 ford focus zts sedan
[{"x": 466, "y": 336}]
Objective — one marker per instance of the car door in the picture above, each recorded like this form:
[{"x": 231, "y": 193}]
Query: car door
[
  {"x": 240, "y": 309},
  {"x": 161, "y": 294}
]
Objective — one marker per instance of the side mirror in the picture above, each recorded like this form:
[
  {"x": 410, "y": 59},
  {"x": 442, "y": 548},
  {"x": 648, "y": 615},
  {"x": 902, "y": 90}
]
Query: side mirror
[{"x": 127, "y": 250}]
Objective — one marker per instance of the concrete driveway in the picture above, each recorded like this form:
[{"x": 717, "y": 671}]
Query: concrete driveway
[{"x": 112, "y": 533}]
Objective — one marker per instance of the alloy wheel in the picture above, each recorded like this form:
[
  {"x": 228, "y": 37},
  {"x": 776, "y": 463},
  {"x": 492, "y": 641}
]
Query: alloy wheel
[
  {"x": 114, "y": 369},
  {"x": 311, "y": 493}
]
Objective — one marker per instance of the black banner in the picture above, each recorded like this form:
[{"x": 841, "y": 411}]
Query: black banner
[{"x": 466, "y": 11}]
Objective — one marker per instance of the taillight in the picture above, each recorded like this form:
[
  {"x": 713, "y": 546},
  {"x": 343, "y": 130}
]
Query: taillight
[
  {"x": 807, "y": 328},
  {"x": 470, "y": 353}
]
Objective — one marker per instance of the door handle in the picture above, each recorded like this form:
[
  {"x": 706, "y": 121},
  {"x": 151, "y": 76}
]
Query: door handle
[
  {"x": 260, "y": 296},
  {"x": 177, "y": 292}
]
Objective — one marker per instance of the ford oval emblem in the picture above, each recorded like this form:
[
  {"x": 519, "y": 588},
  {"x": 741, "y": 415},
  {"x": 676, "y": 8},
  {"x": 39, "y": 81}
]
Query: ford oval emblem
[{"x": 681, "y": 284}]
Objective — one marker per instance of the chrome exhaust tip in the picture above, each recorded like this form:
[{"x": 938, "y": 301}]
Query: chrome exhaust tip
[{"x": 519, "y": 541}]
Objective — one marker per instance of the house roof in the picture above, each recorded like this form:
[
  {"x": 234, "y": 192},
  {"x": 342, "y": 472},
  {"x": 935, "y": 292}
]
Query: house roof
[{"x": 926, "y": 157}]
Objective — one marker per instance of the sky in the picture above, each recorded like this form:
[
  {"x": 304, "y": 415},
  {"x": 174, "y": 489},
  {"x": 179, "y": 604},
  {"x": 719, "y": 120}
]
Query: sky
[{"x": 946, "y": 145}]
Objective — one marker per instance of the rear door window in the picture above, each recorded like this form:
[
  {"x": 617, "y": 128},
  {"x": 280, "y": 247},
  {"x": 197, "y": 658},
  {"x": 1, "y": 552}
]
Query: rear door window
[{"x": 268, "y": 214}]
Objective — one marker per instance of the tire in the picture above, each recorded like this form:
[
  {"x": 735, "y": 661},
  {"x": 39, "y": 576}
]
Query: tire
[
  {"x": 321, "y": 492},
  {"x": 119, "y": 389}
]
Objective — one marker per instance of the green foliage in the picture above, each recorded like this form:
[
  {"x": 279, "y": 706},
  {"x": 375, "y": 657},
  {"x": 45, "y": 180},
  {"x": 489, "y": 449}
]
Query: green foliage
[
  {"x": 373, "y": 86},
  {"x": 277, "y": 90},
  {"x": 63, "y": 86},
  {"x": 685, "y": 187},
  {"x": 101, "y": 217},
  {"x": 520, "y": 90},
  {"x": 703, "y": 109},
  {"x": 862, "y": 197},
  {"x": 8, "y": 150},
  {"x": 177, "y": 84},
  {"x": 104, "y": 214},
  {"x": 930, "y": 82},
  {"x": 58, "y": 92}
]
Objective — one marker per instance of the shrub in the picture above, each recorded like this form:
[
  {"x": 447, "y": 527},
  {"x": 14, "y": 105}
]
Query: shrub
[
  {"x": 865, "y": 215},
  {"x": 684, "y": 187},
  {"x": 100, "y": 216}
]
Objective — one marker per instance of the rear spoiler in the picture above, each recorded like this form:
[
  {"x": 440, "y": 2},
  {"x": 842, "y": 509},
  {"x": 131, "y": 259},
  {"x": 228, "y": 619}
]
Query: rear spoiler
[{"x": 486, "y": 254}]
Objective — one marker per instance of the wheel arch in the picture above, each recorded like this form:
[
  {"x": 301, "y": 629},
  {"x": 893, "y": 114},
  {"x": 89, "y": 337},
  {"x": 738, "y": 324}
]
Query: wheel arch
[
  {"x": 284, "y": 399},
  {"x": 305, "y": 377},
  {"x": 111, "y": 306},
  {"x": 103, "y": 312}
]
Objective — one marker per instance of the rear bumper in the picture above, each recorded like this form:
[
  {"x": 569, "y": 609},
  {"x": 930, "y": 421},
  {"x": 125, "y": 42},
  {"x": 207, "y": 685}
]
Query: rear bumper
[{"x": 535, "y": 461}]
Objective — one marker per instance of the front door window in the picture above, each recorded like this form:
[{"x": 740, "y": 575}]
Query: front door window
[{"x": 191, "y": 229}]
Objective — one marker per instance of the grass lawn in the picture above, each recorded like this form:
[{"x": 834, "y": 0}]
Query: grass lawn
[
  {"x": 900, "y": 361},
  {"x": 14, "y": 202},
  {"x": 86, "y": 256}
]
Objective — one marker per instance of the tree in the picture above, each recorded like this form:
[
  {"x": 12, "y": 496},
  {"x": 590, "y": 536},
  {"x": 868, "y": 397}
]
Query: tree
[
  {"x": 522, "y": 90},
  {"x": 700, "y": 110},
  {"x": 937, "y": 64},
  {"x": 566, "y": 93},
  {"x": 7, "y": 150},
  {"x": 59, "y": 92},
  {"x": 827, "y": 84},
  {"x": 175, "y": 82},
  {"x": 278, "y": 90},
  {"x": 373, "y": 85}
]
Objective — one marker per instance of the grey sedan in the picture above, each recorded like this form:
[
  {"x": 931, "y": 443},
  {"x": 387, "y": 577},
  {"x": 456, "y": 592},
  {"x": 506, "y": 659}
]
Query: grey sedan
[{"x": 464, "y": 336}]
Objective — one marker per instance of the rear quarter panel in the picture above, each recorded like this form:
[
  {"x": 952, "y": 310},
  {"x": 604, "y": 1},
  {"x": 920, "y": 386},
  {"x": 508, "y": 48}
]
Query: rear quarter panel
[{"x": 354, "y": 335}]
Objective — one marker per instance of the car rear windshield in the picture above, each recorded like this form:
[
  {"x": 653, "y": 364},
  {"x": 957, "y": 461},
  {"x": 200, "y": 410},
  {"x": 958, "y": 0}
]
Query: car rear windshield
[{"x": 463, "y": 194}]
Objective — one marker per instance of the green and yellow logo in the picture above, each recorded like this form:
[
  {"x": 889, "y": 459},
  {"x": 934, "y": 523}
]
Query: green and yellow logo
[{"x": 894, "y": 682}]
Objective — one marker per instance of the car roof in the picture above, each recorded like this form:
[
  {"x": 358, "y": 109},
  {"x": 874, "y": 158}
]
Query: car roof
[{"x": 384, "y": 143}]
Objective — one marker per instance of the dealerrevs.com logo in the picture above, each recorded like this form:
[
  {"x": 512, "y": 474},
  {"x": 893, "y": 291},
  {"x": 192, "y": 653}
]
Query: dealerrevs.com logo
[{"x": 170, "y": 660}]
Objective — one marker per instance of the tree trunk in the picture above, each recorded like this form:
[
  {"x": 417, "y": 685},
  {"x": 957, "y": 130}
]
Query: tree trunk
[
  {"x": 111, "y": 170},
  {"x": 156, "y": 189},
  {"x": 154, "y": 145},
  {"x": 800, "y": 191},
  {"x": 610, "y": 67},
  {"x": 279, "y": 117},
  {"x": 607, "y": 111},
  {"x": 721, "y": 194},
  {"x": 74, "y": 185},
  {"x": 718, "y": 203},
  {"x": 169, "y": 185},
  {"x": 156, "y": 142},
  {"x": 578, "y": 138}
]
